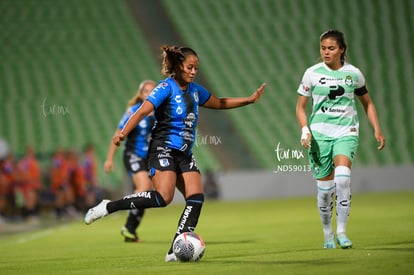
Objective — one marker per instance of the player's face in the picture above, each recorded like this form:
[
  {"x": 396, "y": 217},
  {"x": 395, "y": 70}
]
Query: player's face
[
  {"x": 331, "y": 53},
  {"x": 146, "y": 90},
  {"x": 189, "y": 68}
]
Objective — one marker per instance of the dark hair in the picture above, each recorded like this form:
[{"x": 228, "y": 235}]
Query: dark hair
[
  {"x": 173, "y": 57},
  {"x": 340, "y": 39}
]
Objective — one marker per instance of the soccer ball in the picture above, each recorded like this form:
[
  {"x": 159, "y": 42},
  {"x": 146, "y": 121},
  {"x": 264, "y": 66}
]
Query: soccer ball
[{"x": 188, "y": 247}]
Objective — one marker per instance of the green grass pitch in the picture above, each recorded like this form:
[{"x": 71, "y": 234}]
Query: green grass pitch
[{"x": 279, "y": 236}]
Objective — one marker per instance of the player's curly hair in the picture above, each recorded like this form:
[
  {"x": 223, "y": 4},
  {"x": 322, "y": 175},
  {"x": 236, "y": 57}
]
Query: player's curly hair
[
  {"x": 340, "y": 39},
  {"x": 173, "y": 57}
]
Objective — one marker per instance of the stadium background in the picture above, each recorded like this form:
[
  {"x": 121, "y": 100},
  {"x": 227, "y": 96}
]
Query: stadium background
[{"x": 69, "y": 67}]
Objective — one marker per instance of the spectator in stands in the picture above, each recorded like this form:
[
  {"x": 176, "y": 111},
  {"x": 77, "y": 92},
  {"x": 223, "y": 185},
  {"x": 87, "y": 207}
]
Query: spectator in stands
[
  {"x": 8, "y": 180},
  {"x": 12, "y": 179},
  {"x": 175, "y": 101},
  {"x": 4, "y": 185},
  {"x": 332, "y": 134},
  {"x": 211, "y": 187},
  {"x": 30, "y": 183},
  {"x": 77, "y": 182},
  {"x": 60, "y": 184},
  {"x": 135, "y": 156},
  {"x": 94, "y": 192}
]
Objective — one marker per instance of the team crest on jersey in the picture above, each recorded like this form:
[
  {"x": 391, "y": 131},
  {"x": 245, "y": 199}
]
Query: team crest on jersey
[
  {"x": 164, "y": 162},
  {"x": 135, "y": 166},
  {"x": 349, "y": 81},
  {"x": 196, "y": 96}
]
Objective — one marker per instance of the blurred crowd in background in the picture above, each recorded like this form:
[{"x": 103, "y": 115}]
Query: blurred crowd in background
[{"x": 65, "y": 185}]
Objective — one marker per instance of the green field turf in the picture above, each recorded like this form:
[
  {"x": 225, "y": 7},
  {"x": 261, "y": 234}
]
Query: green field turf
[{"x": 280, "y": 236}]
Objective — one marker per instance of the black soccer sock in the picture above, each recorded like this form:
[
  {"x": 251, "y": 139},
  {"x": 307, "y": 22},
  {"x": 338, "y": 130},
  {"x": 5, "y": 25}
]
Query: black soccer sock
[
  {"x": 134, "y": 219},
  {"x": 140, "y": 200},
  {"x": 189, "y": 218}
]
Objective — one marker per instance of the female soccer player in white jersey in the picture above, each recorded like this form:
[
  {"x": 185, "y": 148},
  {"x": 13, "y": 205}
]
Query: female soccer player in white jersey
[
  {"x": 332, "y": 133},
  {"x": 175, "y": 102}
]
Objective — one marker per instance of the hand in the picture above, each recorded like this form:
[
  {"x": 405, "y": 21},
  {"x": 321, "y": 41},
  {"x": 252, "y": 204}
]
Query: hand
[
  {"x": 116, "y": 140},
  {"x": 108, "y": 166},
  {"x": 381, "y": 139},
  {"x": 306, "y": 137},
  {"x": 258, "y": 93}
]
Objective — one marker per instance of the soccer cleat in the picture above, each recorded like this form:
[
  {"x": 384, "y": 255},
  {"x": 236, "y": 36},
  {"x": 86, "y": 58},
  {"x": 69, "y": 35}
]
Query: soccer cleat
[
  {"x": 129, "y": 237},
  {"x": 170, "y": 257},
  {"x": 329, "y": 244},
  {"x": 97, "y": 212},
  {"x": 343, "y": 241},
  {"x": 329, "y": 241}
]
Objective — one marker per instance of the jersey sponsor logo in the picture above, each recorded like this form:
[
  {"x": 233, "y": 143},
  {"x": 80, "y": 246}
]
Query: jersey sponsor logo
[
  {"x": 184, "y": 147},
  {"x": 187, "y": 212},
  {"x": 160, "y": 86},
  {"x": 145, "y": 194},
  {"x": 164, "y": 155},
  {"x": 304, "y": 87},
  {"x": 179, "y": 110},
  {"x": 178, "y": 99},
  {"x": 324, "y": 80},
  {"x": 187, "y": 136},
  {"x": 165, "y": 149},
  {"x": 332, "y": 110},
  {"x": 189, "y": 120},
  {"x": 335, "y": 91}
]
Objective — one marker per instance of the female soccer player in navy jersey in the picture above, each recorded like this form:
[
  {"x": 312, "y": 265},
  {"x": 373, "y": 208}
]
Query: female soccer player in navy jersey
[
  {"x": 175, "y": 101},
  {"x": 135, "y": 155}
]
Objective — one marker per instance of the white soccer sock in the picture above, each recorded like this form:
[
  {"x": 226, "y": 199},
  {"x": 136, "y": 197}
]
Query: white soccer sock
[
  {"x": 343, "y": 197},
  {"x": 326, "y": 191}
]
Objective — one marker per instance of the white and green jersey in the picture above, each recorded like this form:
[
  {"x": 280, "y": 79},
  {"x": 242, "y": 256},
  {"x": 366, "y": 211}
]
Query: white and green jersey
[{"x": 334, "y": 113}]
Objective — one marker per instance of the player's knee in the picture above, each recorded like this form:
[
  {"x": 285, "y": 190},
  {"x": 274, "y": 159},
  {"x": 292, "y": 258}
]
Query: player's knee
[{"x": 342, "y": 177}]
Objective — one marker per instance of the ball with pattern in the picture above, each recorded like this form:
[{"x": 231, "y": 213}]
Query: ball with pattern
[{"x": 189, "y": 247}]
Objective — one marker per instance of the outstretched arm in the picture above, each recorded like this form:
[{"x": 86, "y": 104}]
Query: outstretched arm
[
  {"x": 233, "y": 102},
  {"x": 371, "y": 112},
  {"x": 108, "y": 165},
  {"x": 145, "y": 109}
]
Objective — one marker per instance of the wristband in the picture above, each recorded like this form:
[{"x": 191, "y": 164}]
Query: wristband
[{"x": 305, "y": 132}]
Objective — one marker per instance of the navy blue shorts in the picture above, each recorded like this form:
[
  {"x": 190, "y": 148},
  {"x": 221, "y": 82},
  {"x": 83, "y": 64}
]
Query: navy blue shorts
[
  {"x": 163, "y": 158},
  {"x": 134, "y": 164}
]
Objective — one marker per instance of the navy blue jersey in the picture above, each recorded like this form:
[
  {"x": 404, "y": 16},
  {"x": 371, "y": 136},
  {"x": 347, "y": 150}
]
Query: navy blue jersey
[
  {"x": 138, "y": 139},
  {"x": 176, "y": 113}
]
